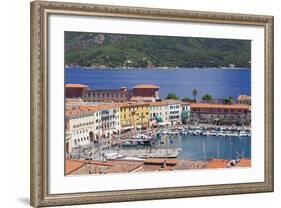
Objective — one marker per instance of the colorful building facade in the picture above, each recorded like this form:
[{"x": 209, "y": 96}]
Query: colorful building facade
[
  {"x": 134, "y": 115},
  {"x": 220, "y": 113}
]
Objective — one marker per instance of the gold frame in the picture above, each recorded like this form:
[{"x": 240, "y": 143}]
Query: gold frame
[{"x": 39, "y": 103}]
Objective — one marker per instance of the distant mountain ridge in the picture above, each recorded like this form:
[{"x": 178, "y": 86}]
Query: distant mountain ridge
[{"x": 114, "y": 50}]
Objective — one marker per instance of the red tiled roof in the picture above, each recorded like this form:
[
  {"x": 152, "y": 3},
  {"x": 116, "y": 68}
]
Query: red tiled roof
[
  {"x": 244, "y": 97},
  {"x": 76, "y": 86},
  {"x": 146, "y": 86},
  {"x": 132, "y": 103},
  {"x": 244, "y": 162},
  {"x": 72, "y": 165},
  {"x": 139, "y": 98},
  {"x": 222, "y": 106},
  {"x": 217, "y": 163},
  {"x": 161, "y": 161}
]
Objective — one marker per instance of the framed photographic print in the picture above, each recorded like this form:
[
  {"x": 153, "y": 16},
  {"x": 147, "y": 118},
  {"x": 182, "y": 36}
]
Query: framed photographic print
[{"x": 142, "y": 103}]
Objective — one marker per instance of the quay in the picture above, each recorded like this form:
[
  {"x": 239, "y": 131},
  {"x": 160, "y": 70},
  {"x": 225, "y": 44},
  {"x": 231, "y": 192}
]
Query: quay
[{"x": 148, "y": 153}]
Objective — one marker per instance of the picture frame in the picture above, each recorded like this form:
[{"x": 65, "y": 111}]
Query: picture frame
[{"x": 40, "y": 89}]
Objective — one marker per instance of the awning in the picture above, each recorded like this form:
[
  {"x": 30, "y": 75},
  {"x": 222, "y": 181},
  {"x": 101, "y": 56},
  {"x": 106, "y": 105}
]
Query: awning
[
  {"x": 164, "y": 123},
  {"x": 127, "y": 127},
  {"x": 159, "y": 119}
]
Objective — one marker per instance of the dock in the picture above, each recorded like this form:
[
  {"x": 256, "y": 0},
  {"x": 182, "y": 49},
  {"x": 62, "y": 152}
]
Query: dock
[{"x": 147, "y": 153}]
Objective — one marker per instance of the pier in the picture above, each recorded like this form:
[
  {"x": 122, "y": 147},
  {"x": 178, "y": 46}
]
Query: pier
[{"x": 147, "y": 153}]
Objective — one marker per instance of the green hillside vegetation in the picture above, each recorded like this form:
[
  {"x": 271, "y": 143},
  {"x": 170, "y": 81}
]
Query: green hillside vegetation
[{"x": 108, "y": 50}]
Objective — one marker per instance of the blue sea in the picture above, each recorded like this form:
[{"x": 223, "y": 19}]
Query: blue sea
[
  {"x": 219, "y": 83},
  {"x": 207, "y": 147}
]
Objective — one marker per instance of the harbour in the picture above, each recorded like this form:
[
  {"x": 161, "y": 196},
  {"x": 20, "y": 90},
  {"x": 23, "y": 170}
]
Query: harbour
[{"x": 192, "y": 142}]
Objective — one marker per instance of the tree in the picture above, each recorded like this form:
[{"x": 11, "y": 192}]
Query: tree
[
  {"x": 186, "y": 99},
  {"x": 194, "y": 93},
  {"x": 207, "y": 97},
  {"x": 172, "y": 96},
  {"x": 228, "y": 100}
]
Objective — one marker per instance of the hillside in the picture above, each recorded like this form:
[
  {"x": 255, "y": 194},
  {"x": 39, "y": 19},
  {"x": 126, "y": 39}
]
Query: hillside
[{"x": 113, "y": 50}]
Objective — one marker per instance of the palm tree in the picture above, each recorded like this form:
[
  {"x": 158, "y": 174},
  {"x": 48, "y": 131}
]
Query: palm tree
[{"x": 194, "y": 93}]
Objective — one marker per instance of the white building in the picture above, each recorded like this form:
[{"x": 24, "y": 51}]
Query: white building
[
  {"x": 80, "y": 127},
  {"x": 86, "y": 124},
  {"x": 158, "y": 113},
  {"x": 174, "y": 111}
]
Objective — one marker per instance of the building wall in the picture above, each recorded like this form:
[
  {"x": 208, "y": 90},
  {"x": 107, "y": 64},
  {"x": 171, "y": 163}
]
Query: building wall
[
  {"x": 110, "y": 122},
  {"x": 73, "y": 92},
  {"x": 244, "y": 101},
  {"x": 146, "y": 92},
  {"x": 185, "y": 114},
  {"x": 174, "y": 113},
  {"x": 80, "y": 128},
  {"x": 107, "y": 95},
  {"x": 158, "y": 110},
  {"x": 134, "y": 115},
  {"x": 221, "y": 115},
  {"x": 86, "y": 128}
]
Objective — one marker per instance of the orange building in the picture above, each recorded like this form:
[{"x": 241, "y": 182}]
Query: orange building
[
  {"x": 146, "y": 90},
  {"x": 220, "y": 113},
  {"x": 74, "y": 90}
]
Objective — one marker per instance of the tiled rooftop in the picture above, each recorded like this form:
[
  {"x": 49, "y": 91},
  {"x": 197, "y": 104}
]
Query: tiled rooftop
[
  {"x": 221, "y": 106},
  {"x": 146, "y": 86},
  {"x": 75, "y": 85}
]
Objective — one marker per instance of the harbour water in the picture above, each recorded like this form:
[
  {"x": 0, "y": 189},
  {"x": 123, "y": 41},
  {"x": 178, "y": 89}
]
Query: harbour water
[
  {"x": 219, "y": 83},
  {"x": 206, "y": 147}
]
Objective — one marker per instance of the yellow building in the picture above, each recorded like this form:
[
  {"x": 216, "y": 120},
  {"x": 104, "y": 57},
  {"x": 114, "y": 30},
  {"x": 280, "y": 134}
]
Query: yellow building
[{"x": 134, "y": 115}]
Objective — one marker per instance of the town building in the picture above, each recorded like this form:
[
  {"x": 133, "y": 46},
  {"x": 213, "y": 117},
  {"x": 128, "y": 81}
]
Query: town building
[
  {"x": 139, "y": 93},
  {"x": 174, "y": 111},
  {"x": 134, "y": 115},
  {"x": 80, "y": 127},
  {"x": 185, "y": 112},
  {"x": 227, "y": 114},
  {"x": 158, "y": 113},
  {"x": 86, "y": 124},
  {"x": 244, "y": 99},
  {"x": 107, "y": 95},
  {"x": 75, "y": 90},
  {"x": 108, "y": 119},
  {"x": 148, "y": 91}
]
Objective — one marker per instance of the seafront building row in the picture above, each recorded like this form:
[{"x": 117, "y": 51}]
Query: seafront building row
[
  {"x": 88, "y": 122},
  {"x": 88, "y": 119}
]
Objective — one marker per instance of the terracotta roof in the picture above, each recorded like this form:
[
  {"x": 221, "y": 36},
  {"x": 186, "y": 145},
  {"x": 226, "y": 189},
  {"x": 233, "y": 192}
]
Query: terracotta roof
[
  {"x": 223, "y": 106},
  {"x": 132, "y": 103},
  {"x": 221, "y": 163},
  {"x": 76, "y": 111},
  {"x": 139, "y": 98},
  {"x": 217, "y": 163},
  {"x": 157, "y": 103},
  {"x": 171, "y": 101},
  {"x": 244, "y": 162},
  {"x": 84, "y": 109},
  {"x": 72, "y": 165},
  {"x": 98, "y": 107},
  {"x": 75, "y": 86},
  {"x": 146, "y": 86},
  {"x": 244, "y": 97},
  {"x": 190, "y": 164},
  {"x": 161, "y": 161}
]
